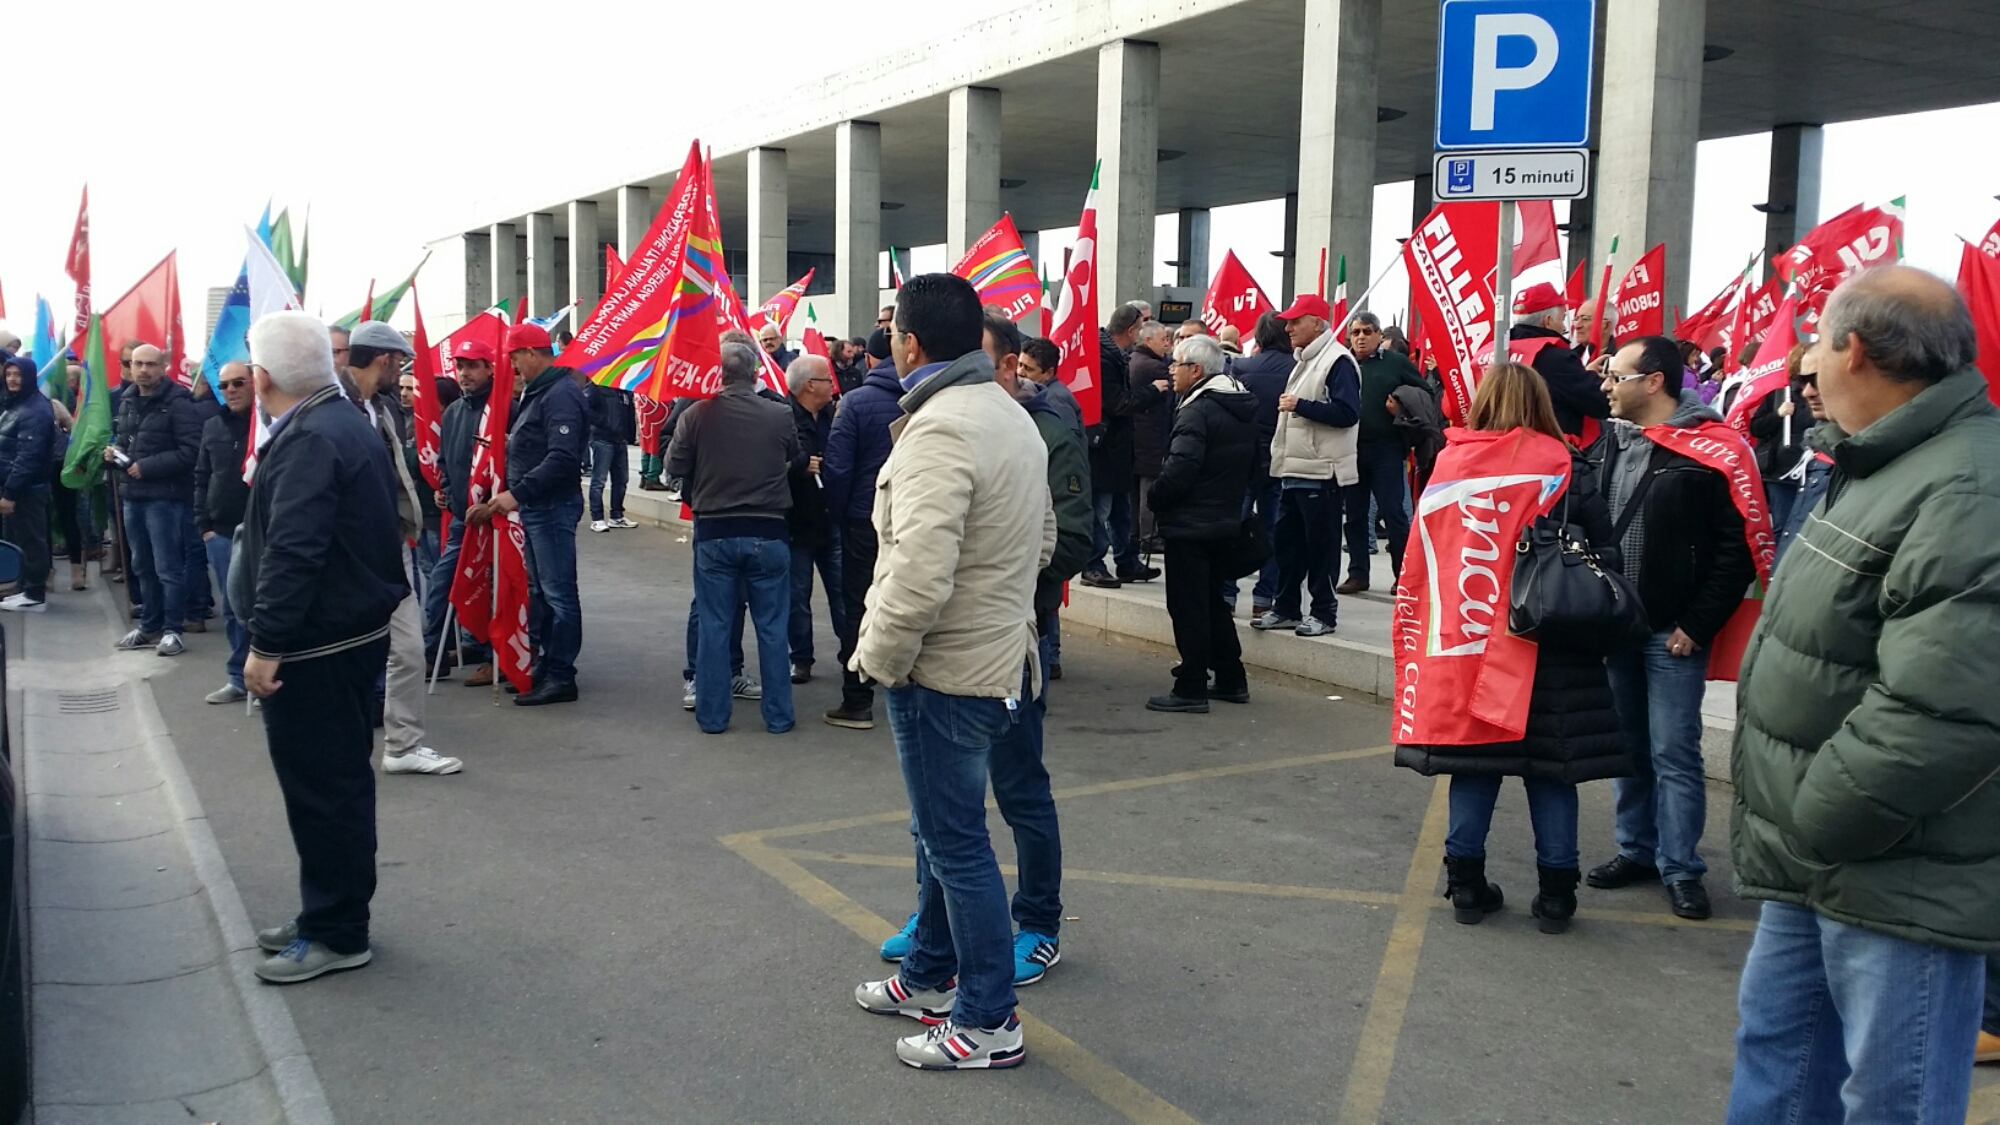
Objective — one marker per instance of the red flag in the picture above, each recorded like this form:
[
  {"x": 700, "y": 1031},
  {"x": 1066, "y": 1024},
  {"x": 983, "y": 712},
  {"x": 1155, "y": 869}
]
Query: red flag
[
  {"x": 513, "y": 654},
  {"x": 1574, "y": 291},
  {"x": 613, "y": 265},
  {"x": 1461, "y": 677},
  {"x": 176, "y": 338},
  {"x": 620, "y": 329},
  {"x": 1535, "y": 235},
  {"x": 1990, "y": 245},
  {"x": 149, "y": 313},
  {"x": 1718, "y": 447},
  {"x": 368, "y": 302},
  {"x": 78, "y": 268},
  {"x": 3, "y": 312},
  {"x": 1979, "y": 284},
  {"x": 1234, "y": 299},
  {"x": 1642, "y": 297},
  {"x": 1075, "y": 330},
  {"x": 1703, "y": 328},
  {"x": 472, "y": 586},
  {"x": 1451, "y": 258},
  {"x": 1597, "y": 313},
  {"x": 779, "y": 309},
  {"x": 1767, "y": 370},
  {"x": 997, "y": 265},
  {"x": 1321, "y": 288},
  {"x": 1837, "y": 249},
  {"x": 429, "y": 415},
  {"x": 815, "y": 344}
]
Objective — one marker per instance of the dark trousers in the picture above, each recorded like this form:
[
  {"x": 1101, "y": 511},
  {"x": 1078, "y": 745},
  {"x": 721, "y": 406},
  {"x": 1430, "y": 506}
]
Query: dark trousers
[
  {"x": 1204, "y": 630},
  {"x": 607, "y": 461},
  {"x": 79, "y": 536},
  {"x": 321, "y": 732},
  {"x": 858, "y": 548},
  {"x": 799, "y": 622},
  {"x": 28, "y": 529},
  {"x": 1264, "y": 498},
  {"x": 1381, "y": 466},
  {"x": 1307, "y": 546}
]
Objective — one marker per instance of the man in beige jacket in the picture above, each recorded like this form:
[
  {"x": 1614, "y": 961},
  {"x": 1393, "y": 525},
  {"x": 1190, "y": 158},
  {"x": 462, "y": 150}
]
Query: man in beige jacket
[{"x": 963, "y": 515}]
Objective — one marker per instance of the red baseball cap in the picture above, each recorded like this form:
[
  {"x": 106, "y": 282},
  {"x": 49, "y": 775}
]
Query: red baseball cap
[
  {"x": 473, "y": 349},
  {"x": 528, "y": 336},
  {"x": 1541, "y": 295},
  {"x": 1308, "y": 304}
]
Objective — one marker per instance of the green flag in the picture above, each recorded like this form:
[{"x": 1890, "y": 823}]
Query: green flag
[
  {"x": 93, "y": 416},
  {"x": 385, "y": 303},
  {"x": 281, "y": 249}
]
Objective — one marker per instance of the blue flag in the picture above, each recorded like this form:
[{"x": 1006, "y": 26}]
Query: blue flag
[
  {"x": 230, "y": 342},
  {"x": 47, "y": 350}
]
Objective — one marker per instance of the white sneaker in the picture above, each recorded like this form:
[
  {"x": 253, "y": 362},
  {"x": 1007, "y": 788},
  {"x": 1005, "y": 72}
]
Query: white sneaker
[
  {"x": 227, "y": 693},
  {"x": 170, "y": 644},
  {"x": 22, "y": 603},
  {"x": 599, "y": 525},
  {"x": 137, "y": 638},
  {"x": 421, "y": 760},
  {"x": 687, "y": 700},
  {"x": 622, "y": 521},
  {"x": 743, "y": 687}
]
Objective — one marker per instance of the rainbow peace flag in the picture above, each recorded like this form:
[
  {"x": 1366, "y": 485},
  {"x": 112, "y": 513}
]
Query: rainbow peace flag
[{"x": 999, "y": 268}]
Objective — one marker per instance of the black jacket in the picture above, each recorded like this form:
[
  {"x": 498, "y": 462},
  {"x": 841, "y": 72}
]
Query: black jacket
[
  {"x": 858, "y": 445},
  {"x": 458, "y": 437},
  {"x": 27, "y": 441},
  {"x": 1576, "y": 393},
  {"x": 220, "y": 493},
  {"x": 162, "y": 432},
  {"x": 611, "y": 414},
  {"x": 1573, "y": 733},
  {"x": 1775, "y": 456},
  {"x": 1111, "y": 437},
  {"x": 320, "y": 558},
  {"x": 1152, "y": 412},
  {"x": 807, "y": 520},
  {"x": 1207, "y": 469},
  {"x": 1265, "y": 375},
  {"x": 547, "y": 435}
]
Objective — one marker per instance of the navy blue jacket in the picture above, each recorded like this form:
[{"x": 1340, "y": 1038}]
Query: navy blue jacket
[
  {"x": 858, "y": 445},
  {"x": 458, "y": 439},
  {"x": 1264, "y": 375},
  {"x": 546, "y": 439},
  {"x": 162, "y": 432},
  {"x": 611, "y": 414},
  {"x": 27, "y": 440}
]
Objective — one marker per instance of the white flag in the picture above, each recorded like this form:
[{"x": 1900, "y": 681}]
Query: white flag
[{"x": 270, "y": 289}]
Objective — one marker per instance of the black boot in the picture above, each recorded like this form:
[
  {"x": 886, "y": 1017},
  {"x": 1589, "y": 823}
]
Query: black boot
[
  {"x": 1556, "y": 904},
  {"x": 1472, "y": 897}
]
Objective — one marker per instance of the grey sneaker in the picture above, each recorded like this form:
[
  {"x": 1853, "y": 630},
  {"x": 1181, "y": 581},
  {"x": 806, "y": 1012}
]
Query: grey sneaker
[
  {"x": 277, "y": 938},
  {"x": 687, "y": 698},
  {"x": 421, "y": 760},
  {"x": 170, "y": 644},
  {"x": 227, "y": 693},
  {"x": 1272, "y": 619},
  {"x": 743, "y": 687},
  {"x": 951, "y": 1047},
  {"x": 621, "y": 521},
  {"x": 891, "y": 998},
  {"x": 303, "y": 960},
  {"x": 1313, "y": 627},
  {"x": 137, "y": 638}
]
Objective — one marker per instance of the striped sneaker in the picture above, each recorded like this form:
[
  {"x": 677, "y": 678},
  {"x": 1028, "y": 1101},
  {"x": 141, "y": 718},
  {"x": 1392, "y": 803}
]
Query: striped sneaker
[
  {"x": 891, "y": 998},
  {"x": 951, "y": 1047},
  {"x": 1034, "y": 955}
]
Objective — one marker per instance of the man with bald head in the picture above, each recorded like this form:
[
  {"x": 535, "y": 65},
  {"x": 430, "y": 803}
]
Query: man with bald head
[
  {"x": 1867, "y": 808},
  {"x": 220, "y": 494},
  {"x": 158, "y": 442}
]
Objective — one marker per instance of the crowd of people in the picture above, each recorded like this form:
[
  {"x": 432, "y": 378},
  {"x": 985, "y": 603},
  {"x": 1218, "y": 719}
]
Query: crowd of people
[{"x": 941, "y": 483}]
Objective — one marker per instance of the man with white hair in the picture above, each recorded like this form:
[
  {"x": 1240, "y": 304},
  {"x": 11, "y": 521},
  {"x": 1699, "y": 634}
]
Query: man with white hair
[
  {"x": 772, "y": 340},
  {"x": 321, "y": 572},
  {"x": 810, "y": 380}
]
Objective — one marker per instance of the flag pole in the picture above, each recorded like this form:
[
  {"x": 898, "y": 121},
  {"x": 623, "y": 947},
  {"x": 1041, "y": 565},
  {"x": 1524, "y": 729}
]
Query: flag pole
[
  {"x": 437, "y": 669},
  {"x": 124, "y": 547},
  {"x": 1503, "y": 277},
  {"x": 1363, "y": 302},
  {"x": 493, "y": 593}
]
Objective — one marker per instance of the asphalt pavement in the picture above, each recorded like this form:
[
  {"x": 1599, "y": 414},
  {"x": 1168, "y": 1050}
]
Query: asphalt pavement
[{"x": 610, "y": 916}]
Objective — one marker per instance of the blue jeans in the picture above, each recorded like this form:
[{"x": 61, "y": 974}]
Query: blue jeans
[
  {"x": 607, "y": 458},
  {"x": 437, "y": 600},
  {"x": 425, "y": 556},
  {"x": 1051, "y": 627},
  {"x": 1841, "y": 1024},
  {"x": 694, "y": 639},
  {"x": 1551, "y": 808},
  {"x": 728, "y": 573},
  {"x": 1663, "y": 807},
  {"x": 1264, "y": 496},
  {"x": 216, "y": 548},
  {"x": 1990, "y": 1024},
  {"x": 200, "y": 599},
  {"x": 555, "y": 616},
  {"x": 800, "y": 627},
  {"x": 1382, "y": 480},
  {"x": 1112, "y": 529},
  {"x": 946, "y": 744},
  {"x": 158, "y": 531}
]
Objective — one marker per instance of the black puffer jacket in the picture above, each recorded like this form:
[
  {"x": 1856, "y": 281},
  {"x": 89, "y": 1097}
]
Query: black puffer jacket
[
  {"x": 807, "y": 520},
  {"x": 1573, "y": 734},
  {"x": 27, "y": 439},
  {"x": 1152, "y": 412},
  {"x": 1207, "y": 469},
  {"x": 220, "y": 493},
  {"x": 1111, "y": 437},
  {"x": 162, "y": 433}
]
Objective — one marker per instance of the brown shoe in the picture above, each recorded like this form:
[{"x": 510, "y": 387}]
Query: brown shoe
[
  {"x": 1351, "y": 586},
  {"x": 481, "y": 676},
  {"x": 195, "y": 626}
]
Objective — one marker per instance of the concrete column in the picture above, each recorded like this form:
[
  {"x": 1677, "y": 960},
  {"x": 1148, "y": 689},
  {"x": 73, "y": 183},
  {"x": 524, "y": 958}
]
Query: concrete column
[
  {"x": 541, "y": 264},
  {"x": 769, "y": 239},
  {"x": 1031, "y": 241},
  {"x": 506, "y": 266},
  {"x": 1420, "y": 200},
  {"x": 1794, "y": 190},
  {"x": 586, "y": 259},
  {"x": 857, "y": 222},
  {"x": 972, "y": 169},
  {"x": 1582, "y": 224},
  {"x": 1291, "y": 251},
  {"x": 478, "y": 272},
  {"x": 1652, "y": 118},
  {"x": 635, "y": 214},
  {"x": 1128, "y": 147},
  {"x": 1337, "y": 137},
  {"x": 1192, "y": 251}
]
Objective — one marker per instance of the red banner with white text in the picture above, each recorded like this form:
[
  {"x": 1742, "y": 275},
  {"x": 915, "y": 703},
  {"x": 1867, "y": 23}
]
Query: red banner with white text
[
  {"x": 1642, "y": 297},
  {"x": 1234, "y": 299},
  {"x": 1451, "y": 258}
]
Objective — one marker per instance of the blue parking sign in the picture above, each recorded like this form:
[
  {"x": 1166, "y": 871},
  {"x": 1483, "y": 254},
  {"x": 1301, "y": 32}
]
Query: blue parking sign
[
  {"x": 1515, "y": 73},
  {"x": 1458, "y": 177}
]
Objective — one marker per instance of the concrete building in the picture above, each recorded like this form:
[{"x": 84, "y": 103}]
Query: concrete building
[{"x": 1196, "y": 104}]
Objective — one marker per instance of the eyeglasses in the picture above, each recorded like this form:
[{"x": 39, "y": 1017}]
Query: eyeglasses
[
  {"x": 232, "y": 384},
  {"x": 124, "y": 363},
  {"x": 1614, "y": 377}
]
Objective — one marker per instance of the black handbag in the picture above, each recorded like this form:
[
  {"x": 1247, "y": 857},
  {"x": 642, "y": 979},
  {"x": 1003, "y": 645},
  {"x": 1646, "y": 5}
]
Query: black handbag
[
  {"x": 1249, "y": 551},
  {"x": 1565, "y": 596}
]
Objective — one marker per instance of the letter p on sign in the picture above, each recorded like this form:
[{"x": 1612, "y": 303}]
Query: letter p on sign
[
  {"x": 1515, "y": 74},
  {"x": 1489, "y": 77}
]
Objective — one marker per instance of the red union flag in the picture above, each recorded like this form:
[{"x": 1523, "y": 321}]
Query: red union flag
[
  {"x": 513, "y": 655},
  {"x": 1979, "y": 284},
  {"x": 429, "y": 415},
  {"x": 1075, "y": 330},
  {"x": 1720, "y": 448},
  {"x": 472, "y": 585},
  {"x": 78, "y": 266},
  {"x": 1234, "y": 299},
  {"x": 614, "y": 341},
  {"x": 998, "y": 267},
  {"x": 1767, "y": 371},
  {"x": 779, "y": 309},
  {"x": 1990, "y": 245},
  {"x": 1461, "y": 677},
  {"x": 1642, "y": 297},
  {"x": 1451, "y": 258},
  {"x": 1535, "y": 236},
  {"x": 1839, "y": 248},
  {"x": 149, "y": 312}
]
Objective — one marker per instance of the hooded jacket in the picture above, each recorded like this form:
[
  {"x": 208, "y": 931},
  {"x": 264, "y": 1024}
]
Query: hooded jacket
[
  {"x": 858, "y": 444},
  {"x": 547, "y": 435},
  {"x": 220, "y": 491},
  {"x": 1867, "y": 752},
  {"x": 963, "y": 516},
  {"x": 1208, "y": 465},
  {"x": 161, "y": 432},
  {"x": 27, "y": 440},
  {"x": 1069, "y": 488},
  {"x": 1320, "y": 439}
]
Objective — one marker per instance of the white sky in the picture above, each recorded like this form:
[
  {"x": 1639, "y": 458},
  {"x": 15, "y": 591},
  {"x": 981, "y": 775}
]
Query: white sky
[{"x": 397, "y": 122}]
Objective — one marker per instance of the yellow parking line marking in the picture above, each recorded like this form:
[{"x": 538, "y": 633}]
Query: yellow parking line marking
[
  {"x": 1104, "y": 1081},
  {"x": 1091, "y": 790},
  {"x": 1375, "y": 1055},
  {"x": 1655, "y": 918},
  {"x": 1174, "y": 882}
]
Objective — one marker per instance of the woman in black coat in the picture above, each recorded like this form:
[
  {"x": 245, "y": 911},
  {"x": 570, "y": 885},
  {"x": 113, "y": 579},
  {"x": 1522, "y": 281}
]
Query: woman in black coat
[{"x": 1572, "y": 734}]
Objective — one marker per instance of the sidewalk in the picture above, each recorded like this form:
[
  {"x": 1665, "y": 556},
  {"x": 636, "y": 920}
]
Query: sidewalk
[
  {"x": 143, "y": 1006},
  {"x": 1356, "y": 658}
]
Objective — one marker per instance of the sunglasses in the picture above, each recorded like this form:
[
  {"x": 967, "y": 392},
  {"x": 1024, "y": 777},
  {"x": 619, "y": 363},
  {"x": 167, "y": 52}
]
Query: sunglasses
[
  {"x": 232, "y": 384},
  {"x": 1809, "y": 379}
]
